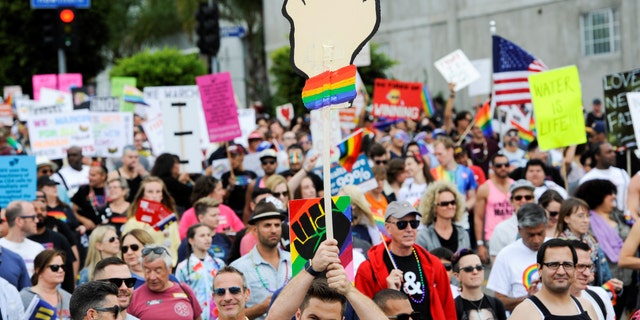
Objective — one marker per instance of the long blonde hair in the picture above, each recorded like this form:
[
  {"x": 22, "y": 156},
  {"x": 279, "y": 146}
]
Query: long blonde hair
[
  {"x": 361, "y": 213},
  {"x": 428, "y": 202},
  {"x": 93, "y": 255}
]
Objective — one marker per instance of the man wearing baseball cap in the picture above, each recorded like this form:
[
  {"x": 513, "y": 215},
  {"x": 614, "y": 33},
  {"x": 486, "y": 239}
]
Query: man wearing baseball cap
[
  {"x": 269, "y": 164},
  {"x": 407, "y": 267}
]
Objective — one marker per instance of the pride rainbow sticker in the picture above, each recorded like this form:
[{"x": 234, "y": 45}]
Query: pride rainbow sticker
[{"x": 530, "y": 275}]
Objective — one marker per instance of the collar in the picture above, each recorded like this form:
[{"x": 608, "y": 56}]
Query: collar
[{"x": 257, "y": 259}]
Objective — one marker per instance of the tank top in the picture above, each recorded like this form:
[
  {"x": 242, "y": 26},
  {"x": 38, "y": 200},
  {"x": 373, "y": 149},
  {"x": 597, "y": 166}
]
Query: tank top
[
  {"x": 497, "y": 209},
  {"x": 582, "y": 315}
]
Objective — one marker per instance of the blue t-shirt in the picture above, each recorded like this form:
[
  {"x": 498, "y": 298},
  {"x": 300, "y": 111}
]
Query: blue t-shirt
[{"x": 13, "y": 269}]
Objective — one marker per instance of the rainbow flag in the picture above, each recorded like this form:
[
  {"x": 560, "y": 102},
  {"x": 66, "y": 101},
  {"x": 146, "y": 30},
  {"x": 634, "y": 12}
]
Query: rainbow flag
[
  {"x": 350, "y": 149},
  {"x": 427, "y": 102},
  {"x": 132, "y": 94},
  {"x": 330, "y": 88},
  {"x": 526, "y": 135},
  {"x": 483, "y": 119}
]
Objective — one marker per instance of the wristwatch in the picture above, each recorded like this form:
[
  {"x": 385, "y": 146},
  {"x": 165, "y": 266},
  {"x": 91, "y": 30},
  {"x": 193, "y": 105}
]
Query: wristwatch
[{"x": 309, "y": 269}]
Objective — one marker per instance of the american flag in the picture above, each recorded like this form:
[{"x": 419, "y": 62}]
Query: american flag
[{"x": 511, "y": 69}]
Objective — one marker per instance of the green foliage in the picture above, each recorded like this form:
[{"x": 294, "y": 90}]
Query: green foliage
[
  {"x": 167, "y": 67},
  {"x": 380, "y": 63}
]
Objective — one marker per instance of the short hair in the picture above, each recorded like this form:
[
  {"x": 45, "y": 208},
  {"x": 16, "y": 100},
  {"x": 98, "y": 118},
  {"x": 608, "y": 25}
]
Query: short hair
[
  {"x": 379, "y": 172},
  {"x": 320, "y": 290},
  {"x": 579, "y": 245},
  {"x": 383, "y": 296},
  {"x": 130, "y": 147},
  {"x": 497, "y": 155},
  {"x": 201, "y": 206},
  {"x": 446, "y": 142},
  {"x": 442, "y": 253},
  {"x": 152, "y": 256},
  {"x": 90, "y": 295},
  {"x": 555, "y": 243},
  {"x": 258, "y": 192},
  {"x": 43, "y": 259},
  {"x": 593, "y": 192},
  {"x": 13, "y": 211},
  {"x": 104, "y": 263},
  {"x": 531, "y": 215},
  {"x": 535, "y": 162},
  {"x": 295, "y": 146},
  {"x": 377, "y": 150},
  {"x": 549, "y": 196},
  {"x": 533, "y": 145},
  {"x": 230, "y": 269},
  {"x": 123, "y": 183},
  {"x": 455, "y": 260}
]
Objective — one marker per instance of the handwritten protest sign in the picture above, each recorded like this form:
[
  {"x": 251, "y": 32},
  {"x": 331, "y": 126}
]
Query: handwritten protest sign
[
  {"x": 40, "y": 81},
  {"x": 634, "y": 108},
  {"x": 397, "y": 99},
  {"x": 618, "y": 118},
  {"x": 456, "y": 68},
  {"x": 154, "y": 130},
  {"x": 117, "y": 89},
  {"x": 17, "y": 179},
  {"x": 557, "y": 104},
  {"x": 104, "y": 104},
  {"x": 219, "y": 105},
  {"x": 23, "y": 106},
  {"x": 307, "y": 230},
  {"x": 67, "y": 81},
  {"x": 112, "y": 131},
  {"x": 284, "y": 114},
  {"x": 52, "y": 97},
  {"x": 52, "y": 134},
  {"x": 360, "y": 175}
]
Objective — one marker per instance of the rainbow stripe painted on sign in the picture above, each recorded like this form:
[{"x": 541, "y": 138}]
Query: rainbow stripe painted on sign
[{"x": 330, "y": 88}]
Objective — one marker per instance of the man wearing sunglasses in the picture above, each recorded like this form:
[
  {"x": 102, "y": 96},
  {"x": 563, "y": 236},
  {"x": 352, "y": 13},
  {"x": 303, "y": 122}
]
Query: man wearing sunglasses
[
  {"x": 395, "y": 304},
  {"x": 230, "y": 294},
  {"x": 556, "y": 261},
  {"x": 114, "y": 270},
  {"x": 160, "y": 298},
  {"x": 95, "y": 300},
  {"x": 511, "y": 149},
  {"x": 22, "y": 220},
  {"x": 407, "y": 267},
  {"x": 269, "y": 164}
]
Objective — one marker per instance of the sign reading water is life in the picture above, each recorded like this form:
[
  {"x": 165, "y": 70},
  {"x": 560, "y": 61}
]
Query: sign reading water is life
[{"x": 17, "y": 179}]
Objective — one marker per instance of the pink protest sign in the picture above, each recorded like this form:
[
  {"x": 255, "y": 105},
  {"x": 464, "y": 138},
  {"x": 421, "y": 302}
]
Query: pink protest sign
[
  {"x": 66, "y": 81},
  {"x": 219, "y": 105},
  {"x": 43, "y": 81}
]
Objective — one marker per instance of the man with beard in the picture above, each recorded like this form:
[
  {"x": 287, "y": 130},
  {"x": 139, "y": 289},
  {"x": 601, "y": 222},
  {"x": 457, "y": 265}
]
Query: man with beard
[
  {"x": 22, "y": 220},
  {"x": 91, "y": 196},
  {"x": 115, "y": 271},
  {"x": 598, "y": 297},
  {"x": 74, "y": 174},
  {"x": 267, "y": 267},
  {"x": 131, "y": 170},
  {"x": 604, "y": 158},
  {"x": 511, "y": 149},
  {"x": 557, "y": 260}
]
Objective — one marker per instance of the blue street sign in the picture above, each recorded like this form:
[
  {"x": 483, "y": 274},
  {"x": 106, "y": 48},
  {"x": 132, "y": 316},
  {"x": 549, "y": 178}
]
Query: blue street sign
[
  {"x": 232, "y": 31},
  {"x": 54, "y": 4}
]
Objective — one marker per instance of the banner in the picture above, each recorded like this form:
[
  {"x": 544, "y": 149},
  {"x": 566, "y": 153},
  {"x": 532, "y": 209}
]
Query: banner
[
  {"x": 557, "y": 105},
  {"x": 307, "y": 230},
  {"x": 616, "y": 109},
  {"x": 397, "y": 99},
  {"x": 360, "y": 175},
  {"x": 51, "y": 135},
  {"x": 456, "y": 68},
  {"x": 219, "y": 105},
  {"x": 112, "y": 131},
  {"x": 17, "y": 179}
]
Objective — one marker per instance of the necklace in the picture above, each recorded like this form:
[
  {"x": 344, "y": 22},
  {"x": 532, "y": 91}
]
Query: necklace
[
  {"x": 263, "y": 282},
  {"x": 479, "y": 305},
  {"x": 419, "y": 271}
]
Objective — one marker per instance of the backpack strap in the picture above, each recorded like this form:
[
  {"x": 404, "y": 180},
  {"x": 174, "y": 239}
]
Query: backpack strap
[
  {"x": 598, "y": 300},
  {"x": 63, "y": 181}
]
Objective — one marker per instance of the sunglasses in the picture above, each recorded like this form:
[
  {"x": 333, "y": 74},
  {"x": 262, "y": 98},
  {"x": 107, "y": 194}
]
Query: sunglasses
[
  {"x": 112, "y": 239},
  {"x": 381, "y": 162},
  {"x": 406, "y": 316},
  {"x": 553, "y": 213},
  {"x": 156, "y": 250},
  {"x": 57, "y": 267},
  {"x": 129, "y": 282},
  {"x": 270, "y": 162},
  {"x": 403, "y": 224},
  {"x": 222, "y": 291},
  {"x": 519, "y": 197},
  {"x": 115, "y": 310},
  {"x": 447, "y": 203},
  {"x": 134, "y": 247},
  {"x": 280, "y": 194},
  {"x": 501, "y": 165},
  {"x": 447, "y": 266},
  {"x": 470, "y": 269}
]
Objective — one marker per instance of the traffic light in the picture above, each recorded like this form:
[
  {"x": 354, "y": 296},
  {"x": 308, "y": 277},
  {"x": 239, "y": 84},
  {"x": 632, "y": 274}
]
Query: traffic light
[
  {"x": 67, "y": 18},
  {"x": 208, "y": 29}
]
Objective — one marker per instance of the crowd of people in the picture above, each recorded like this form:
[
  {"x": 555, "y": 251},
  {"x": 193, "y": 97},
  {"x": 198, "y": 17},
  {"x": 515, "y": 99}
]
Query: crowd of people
[{"x": 554, "y": 230}]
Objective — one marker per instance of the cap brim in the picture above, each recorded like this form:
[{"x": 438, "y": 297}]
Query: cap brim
[{"x": 266, "y": 215}]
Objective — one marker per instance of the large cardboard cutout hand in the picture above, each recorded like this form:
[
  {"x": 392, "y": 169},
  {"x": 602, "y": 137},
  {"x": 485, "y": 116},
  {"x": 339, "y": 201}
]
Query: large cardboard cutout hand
[{"x": 326, "y": 35}]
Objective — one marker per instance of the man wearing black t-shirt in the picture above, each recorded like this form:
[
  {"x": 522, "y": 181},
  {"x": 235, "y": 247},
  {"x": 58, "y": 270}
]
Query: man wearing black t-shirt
[
  {"x": 90, "y": 197},
  {"x": 407, "y": 266}
]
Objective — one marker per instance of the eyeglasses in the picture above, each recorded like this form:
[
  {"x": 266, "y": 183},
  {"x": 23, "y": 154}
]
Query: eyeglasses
[
  {"x": 29, "y": 217},
  {"x": 112, "y": 239},
  {"x": 406, "y": 316},
  {"x": 583, "y": 267},
  {"x": 280, "y": 194},
  {"x": 403, "y": 224},
  {"x": 469, "y": 269},
  {"x": 156, "y": 250},
  {"x": 381, "y": 162},
  {"x": 519, "y": 197},
  {"x": 115, "y": 310},
  {"x": 270, "y": 162},
  {"x": 553, "y": 213},
  {"x": 134, "y": 247},
  {"x": 447, "y": 266},
  {"x": 129, "y": 282},
  {"x": 446, "y": 203},
  {"x": 555, "y": 265},
  {"x": 56, "y": 267},
  {"x": 222, "y": 291},
  {"x": 501, "y": 165}
]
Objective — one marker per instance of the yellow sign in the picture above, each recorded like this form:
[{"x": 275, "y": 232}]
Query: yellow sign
[{"x": 557, "y": 105}]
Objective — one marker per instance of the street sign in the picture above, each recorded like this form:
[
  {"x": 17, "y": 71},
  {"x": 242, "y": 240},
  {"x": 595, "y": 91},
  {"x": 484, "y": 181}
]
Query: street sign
[
  {"x": 232, "y": 31},
  {"x": 54, "y": 4}
]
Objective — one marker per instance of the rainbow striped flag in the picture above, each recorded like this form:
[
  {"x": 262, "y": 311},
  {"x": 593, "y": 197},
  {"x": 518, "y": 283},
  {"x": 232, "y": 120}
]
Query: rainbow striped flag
[
  {"x": 350, "y": 149},
  {"x": 483, "y": 119},
  {"x": 330, "y": 88},
  {"x": 132, "y": 94},
  {"x": 427, "y": 102},
  {"x": 526, "y": 135}
]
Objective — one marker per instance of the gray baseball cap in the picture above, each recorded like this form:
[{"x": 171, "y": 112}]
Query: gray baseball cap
[
  {"x": 399, "y": 210},
  {"x": 520, "y": 184}
]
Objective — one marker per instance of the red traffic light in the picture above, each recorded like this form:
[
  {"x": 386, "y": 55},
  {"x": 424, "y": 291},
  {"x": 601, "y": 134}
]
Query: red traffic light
[{"x": 67, "y": 15}]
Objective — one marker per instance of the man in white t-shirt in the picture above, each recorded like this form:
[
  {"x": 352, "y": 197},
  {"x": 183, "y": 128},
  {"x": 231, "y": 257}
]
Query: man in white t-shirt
[
  {"x": 73, "y": 175},
  {"x": 584, "y": 274},
  {"x": 605, "y": 160},
  {"x": 22, "y": 220},
  {"x": 514, "y": 275}
]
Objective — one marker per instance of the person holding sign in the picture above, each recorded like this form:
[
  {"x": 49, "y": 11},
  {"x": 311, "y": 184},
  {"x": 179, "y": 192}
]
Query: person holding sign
[{"x": 403, "y": 265}]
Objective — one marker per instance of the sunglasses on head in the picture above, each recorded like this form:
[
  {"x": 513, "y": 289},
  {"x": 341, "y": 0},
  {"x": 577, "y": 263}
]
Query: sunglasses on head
[
  {"x": 381, "y": 162},
  {"x": 134, "y": 247},
  {"x": 470, "y": 269},
  {"x": 280, "y": 194},
  {"x": 271, "y": 162},
  {"x": 447, "y": 203},
  {"x": 406, "y": 316},
  {"x": 57, "y": 267},
  {"x": 222, "y": 291},
  {"x": 501, "y": 165},
  {"x": 403, "y": 224},
  {"x": 526, "y": 197},
  {"x": 129, "y": 282},
  {"x": 115, "y": 310},
  {"x": 156, "y": 250}
]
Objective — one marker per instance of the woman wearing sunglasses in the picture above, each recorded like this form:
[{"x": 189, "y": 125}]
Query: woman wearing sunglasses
[
  {"x": 49, "y": 270},
  {"x": 103, "y": 243},
  {"x": 550, "y": 201},
  {"x": 132, "y": 243},
  {"x": 441, "y": 206},
  {"x": 472, "y": 303}
]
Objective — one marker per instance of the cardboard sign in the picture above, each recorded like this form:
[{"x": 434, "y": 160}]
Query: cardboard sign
[
  {"x": 154, "y": 214},
  {"x": 361, "y": 175},
  {"x": 104, "y": 104},
  {"x": 154, "y": 130},
  {"x": 307, "y": 230},
  {"x": 456, "y": 68},
  {"x": 284, "y": 114},
  {"x": 482, "y": 86},
  {"x": 112, "y": 131},
  {"x": 17, "y": 179},
  {"x": 181, "y": 136},
  {"x": 52, "y": 134},
  {"x": 219, "y": 105},
  {"x": 117, "y": 90},
  {"x": 68, "y": 81},
  {"x": 633, "y": 98},
  {"x": 557, "y": 104},
  {"x": 616, "y": 109},
  {"x": 397, "y": 99},
  {"x": 50, "y": 97}
]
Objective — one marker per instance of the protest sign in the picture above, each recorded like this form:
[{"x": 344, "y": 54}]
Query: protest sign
[
  {"x": 154, "y": 130},
  {"x": 67, "y": 81},
  {"x": 104, "y": 104},
  {"x": 112, "y": 131},
  {"x": 23, "y": 106},
  {"x": 6, "y": 114},
  {"x": 633, "y": 98},
  {"x": 219, "y": 105},
  {"x": 117, "y": 90},
  {"x": 50, "y": 97},
  {"x": 219, "y": 167},
  {"x": 40, "y": 81},
  {"x": 482, "y": 86},
  {"x": 307, "y": 229},
  {"x": 181, "y": 133},
  {"x": 11, "y": 91},
  {"x": 247, "y": 119},
  {"x": 397, "y": 99},
  {"x": 154, "y": 214},
  {"x": 456, "y": 68},
  {"x": 616, "y": 109},
  {"x": 52, "y": 134},
  {"x": 557, "y": 104},
  {"x": 284, "y": 114},
  {"x": 360, "y": 175},
  {"x": 17, "y": 179}
]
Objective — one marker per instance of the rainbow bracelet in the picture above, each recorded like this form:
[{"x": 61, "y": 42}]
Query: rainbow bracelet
[{"x": 330, "y": 87}]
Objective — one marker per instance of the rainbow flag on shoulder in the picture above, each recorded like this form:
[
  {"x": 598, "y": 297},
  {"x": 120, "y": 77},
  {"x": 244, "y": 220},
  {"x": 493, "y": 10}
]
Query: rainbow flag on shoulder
[
  {"x": 350, "y": 149},
  {"x": 483, "y": 119}
]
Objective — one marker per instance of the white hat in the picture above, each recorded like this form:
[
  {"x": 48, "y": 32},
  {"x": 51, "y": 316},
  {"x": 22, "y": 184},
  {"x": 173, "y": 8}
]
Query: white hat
[{"x": 44, "y": 161}]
